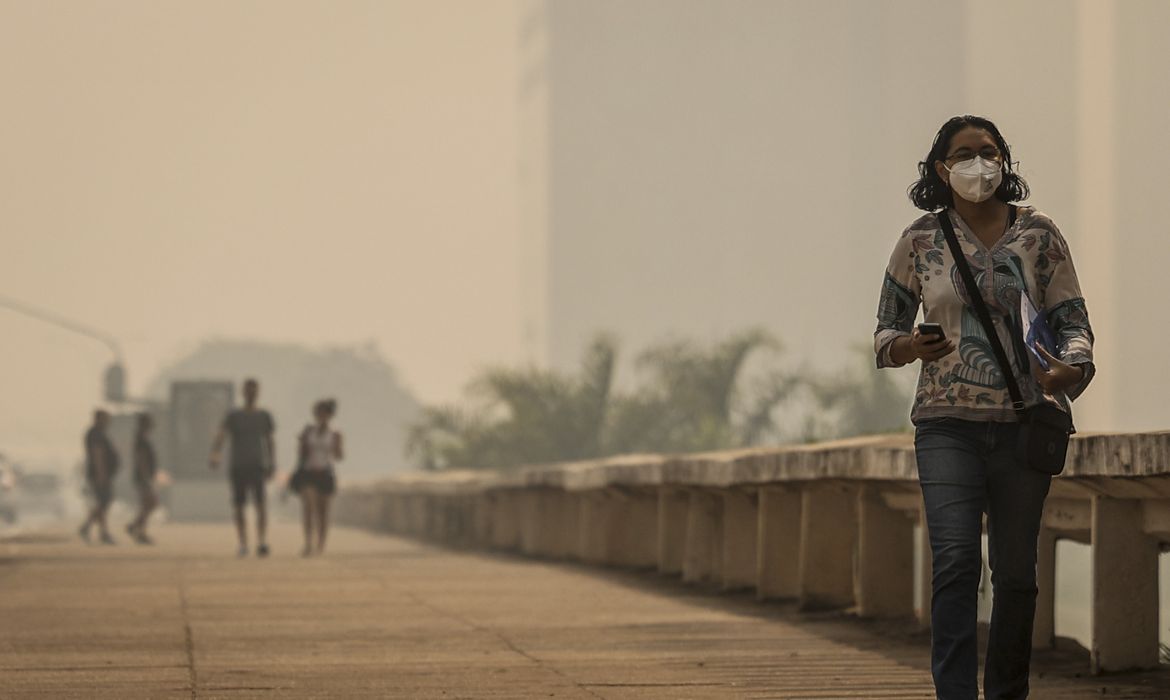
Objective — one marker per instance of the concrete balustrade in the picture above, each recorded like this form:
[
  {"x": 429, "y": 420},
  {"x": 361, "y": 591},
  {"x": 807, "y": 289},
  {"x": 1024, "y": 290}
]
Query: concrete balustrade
[
  {"x": 633, "y": 528},
  {"x": 591, "y": 527},
  {"x": 740, "y": 532},
  {"x": 1125, "y": 587},
  {"x": 673, "y": 507},
  {"x": 778, "y": 543},
  {"x": 884, "y": 581},
  {"x": 828, "y": 544},
  {"x": 703, "y": 550},
  {"x": 925, "y": 570},
  {"x": 831, "y": 526}
]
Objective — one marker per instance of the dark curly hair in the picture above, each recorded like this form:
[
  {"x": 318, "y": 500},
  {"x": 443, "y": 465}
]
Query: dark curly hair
[{"x": 931, "y": 193}]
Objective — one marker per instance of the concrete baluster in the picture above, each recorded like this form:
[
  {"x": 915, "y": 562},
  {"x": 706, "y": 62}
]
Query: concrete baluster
[
  {"x": 1125, "y": 587},
  {"x": 740, "y": 532},
  {"x": 703, "y": 557},
  {"x": 1044, "y": 625},
  {"x": 925, "y": 571},
  {"x": 594, "y": 522},
  {"x": 673, "y": 506},
  {"x": 561, "y": 521},
  {"x": 505, "y": 521},
  {"x": 828, "y": 534},
  {"x": 483, "y": 518},
  {"x": 633, "y": 528},
  {"x": 530, "y": 502},
  {"x": 885, "y": 557},
  {"x": 778, "y": 543}
]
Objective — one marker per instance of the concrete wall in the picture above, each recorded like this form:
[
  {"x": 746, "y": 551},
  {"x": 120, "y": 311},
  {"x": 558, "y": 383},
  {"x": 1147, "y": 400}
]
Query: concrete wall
[{"x": 830, "y": 526}]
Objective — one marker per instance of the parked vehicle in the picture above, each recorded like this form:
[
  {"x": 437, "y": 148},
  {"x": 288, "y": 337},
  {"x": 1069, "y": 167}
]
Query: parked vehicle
[
  {"x": 40, "y": 492},
  {"x": 7, "y": 492}
]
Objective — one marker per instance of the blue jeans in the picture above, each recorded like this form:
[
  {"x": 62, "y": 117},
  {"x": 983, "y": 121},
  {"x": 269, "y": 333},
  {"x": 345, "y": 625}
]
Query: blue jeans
[{"x": 966, "y": 469}]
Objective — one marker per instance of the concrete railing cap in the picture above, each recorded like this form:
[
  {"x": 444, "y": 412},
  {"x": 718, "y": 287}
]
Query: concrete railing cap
[{"x": 875, "y": 457}]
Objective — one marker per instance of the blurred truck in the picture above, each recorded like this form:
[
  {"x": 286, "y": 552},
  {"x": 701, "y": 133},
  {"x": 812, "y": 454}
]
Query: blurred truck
[{"x": 194, "y": 414}]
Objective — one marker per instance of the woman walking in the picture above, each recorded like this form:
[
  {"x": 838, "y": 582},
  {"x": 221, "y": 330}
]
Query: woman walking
[
  {"x": 145, "y": 468},
  {"x": 315, "y": 481},
  {"x": 971, "y": 446}
]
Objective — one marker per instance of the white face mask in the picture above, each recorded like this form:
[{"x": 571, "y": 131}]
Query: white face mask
[{"x": 975, "y": 179}]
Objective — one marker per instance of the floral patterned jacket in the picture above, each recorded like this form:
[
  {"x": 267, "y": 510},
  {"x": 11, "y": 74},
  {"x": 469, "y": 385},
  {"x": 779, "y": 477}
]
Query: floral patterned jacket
[{"x": 1031, "y": 257}]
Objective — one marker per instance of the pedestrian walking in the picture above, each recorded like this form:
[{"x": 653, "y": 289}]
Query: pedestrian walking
[
  {"x": 101, "y": 464},
  {"x": 145, "y": 470},
  {"x": 992, "y": 408},
  {"x": 319, "y": 449},
  {"x": 252, "y": 462}
]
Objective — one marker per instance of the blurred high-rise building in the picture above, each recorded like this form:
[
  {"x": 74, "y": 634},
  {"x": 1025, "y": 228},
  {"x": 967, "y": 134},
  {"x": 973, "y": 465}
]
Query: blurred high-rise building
[{"x": 696, "y": 167}]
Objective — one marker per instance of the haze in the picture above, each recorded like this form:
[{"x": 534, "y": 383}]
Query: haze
[
  {"x": 355, "y": 172},
  {"x": 301, "y": 171}
]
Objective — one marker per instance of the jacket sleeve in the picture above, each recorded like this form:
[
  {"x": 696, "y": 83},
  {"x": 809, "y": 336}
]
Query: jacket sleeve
[
  {"x": 898, "y": 305},
  {"x": 1067, "y": 315}
]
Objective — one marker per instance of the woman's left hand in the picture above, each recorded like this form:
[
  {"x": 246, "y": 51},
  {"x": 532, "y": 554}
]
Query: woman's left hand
[{"x": 1059, "y": 375}]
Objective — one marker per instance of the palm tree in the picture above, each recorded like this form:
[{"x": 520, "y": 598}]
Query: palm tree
[
  {"x": 522, "y": 416},
  {"x": 860, "y": 401},
  {"x": 439, "y": 439},
  {"x": 691, "y": 402}
]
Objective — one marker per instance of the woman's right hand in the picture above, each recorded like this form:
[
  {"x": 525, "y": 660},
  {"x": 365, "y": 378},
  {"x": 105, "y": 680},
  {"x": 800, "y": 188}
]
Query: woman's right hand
[{"x": 929, "y": 348}]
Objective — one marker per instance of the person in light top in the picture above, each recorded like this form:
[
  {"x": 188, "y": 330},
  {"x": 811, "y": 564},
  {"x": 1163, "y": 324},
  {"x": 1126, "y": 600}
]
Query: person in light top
[
  {"x": 320, "y": 448},
  {"x": 966, "y": 428}
]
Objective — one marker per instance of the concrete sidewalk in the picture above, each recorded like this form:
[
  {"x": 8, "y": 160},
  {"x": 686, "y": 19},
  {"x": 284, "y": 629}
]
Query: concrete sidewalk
[{"x": 382, "y": 617}]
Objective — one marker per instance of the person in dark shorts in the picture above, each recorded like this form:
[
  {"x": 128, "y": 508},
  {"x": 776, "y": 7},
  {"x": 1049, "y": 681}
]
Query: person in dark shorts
[
  {"x": 253, "y": 461},
  {"x": 319, "y": 448},
  {"x": 101, "y": 463},
  {"x": 145, "y": 468}
]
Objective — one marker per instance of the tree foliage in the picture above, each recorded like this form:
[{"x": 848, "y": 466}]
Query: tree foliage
[
  {"x": 521, "y": 416},
  {"x": 690, "y": 399},
  {"x": 862, "y": 400}
]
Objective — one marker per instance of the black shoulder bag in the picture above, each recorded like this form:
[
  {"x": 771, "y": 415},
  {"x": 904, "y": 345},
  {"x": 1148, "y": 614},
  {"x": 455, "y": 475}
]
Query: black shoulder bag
[{"x": 1044, "y": 428}]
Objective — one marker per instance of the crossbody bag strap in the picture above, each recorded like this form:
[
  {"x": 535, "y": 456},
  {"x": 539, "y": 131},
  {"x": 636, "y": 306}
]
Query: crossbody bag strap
[{"x": 1005, "y": 366}]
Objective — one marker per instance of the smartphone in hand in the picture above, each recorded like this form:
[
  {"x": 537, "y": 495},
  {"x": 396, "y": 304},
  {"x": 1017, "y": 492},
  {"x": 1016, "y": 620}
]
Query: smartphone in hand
[{"x": 934, "y": 329}]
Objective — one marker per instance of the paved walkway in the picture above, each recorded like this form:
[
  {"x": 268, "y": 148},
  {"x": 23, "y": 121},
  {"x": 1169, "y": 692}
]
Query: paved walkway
[{"x": 388, "y": 618}]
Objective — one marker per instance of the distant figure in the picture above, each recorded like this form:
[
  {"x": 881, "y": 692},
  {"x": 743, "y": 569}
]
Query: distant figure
[
  {"x": 980, "y": 377},
  {"x": 253, "y": 461},
  {"x": 101, "y": 463},
  {"x": 319, "y": 447},
  {"x": 145, "y": 468}
]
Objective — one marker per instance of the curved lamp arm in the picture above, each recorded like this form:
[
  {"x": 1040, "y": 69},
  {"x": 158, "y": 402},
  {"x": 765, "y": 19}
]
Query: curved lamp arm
[
  {"x": 115, "y": 375},
  {"x": 62, "y": 322}
]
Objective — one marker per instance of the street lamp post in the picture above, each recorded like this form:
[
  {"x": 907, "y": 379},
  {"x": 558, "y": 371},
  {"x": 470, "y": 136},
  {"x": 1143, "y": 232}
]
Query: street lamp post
[{"x": 114, "y": 380}]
